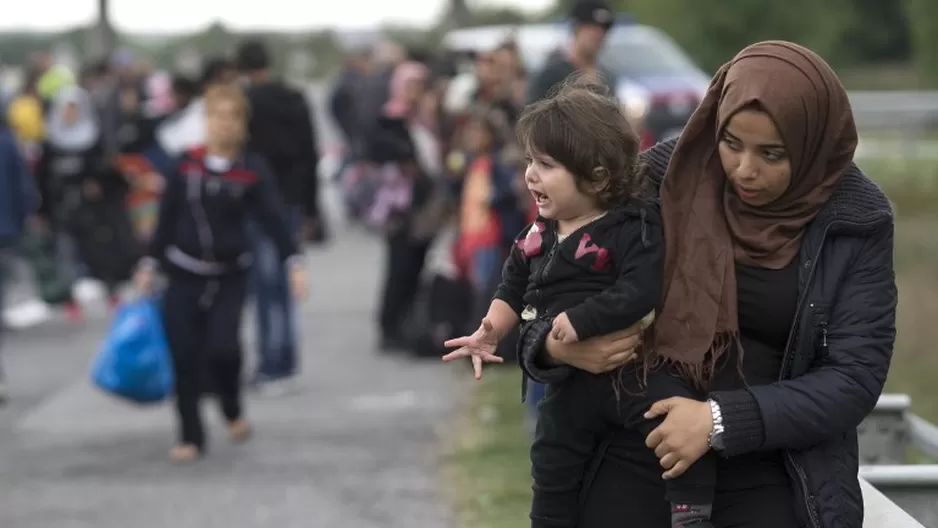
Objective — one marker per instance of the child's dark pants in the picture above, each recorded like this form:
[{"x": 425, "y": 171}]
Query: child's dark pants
[{"x": 202, "y": 319}]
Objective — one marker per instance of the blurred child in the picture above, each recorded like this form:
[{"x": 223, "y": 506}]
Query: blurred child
[
  {"x": 489, "y": 210},
  {"x": 201, "y": 242}
]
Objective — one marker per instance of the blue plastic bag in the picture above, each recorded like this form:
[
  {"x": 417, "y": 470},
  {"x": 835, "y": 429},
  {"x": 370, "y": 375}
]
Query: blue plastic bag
[{"x": 134, "y": 361}]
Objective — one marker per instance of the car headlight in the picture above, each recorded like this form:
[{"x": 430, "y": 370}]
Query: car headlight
[
  {"x": 635, "y": 109},
  {"x": 634, "y": 101}
]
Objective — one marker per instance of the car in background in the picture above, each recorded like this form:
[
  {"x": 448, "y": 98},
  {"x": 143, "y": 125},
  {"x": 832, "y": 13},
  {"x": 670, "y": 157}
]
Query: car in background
[{"x": 658, "y": 85}]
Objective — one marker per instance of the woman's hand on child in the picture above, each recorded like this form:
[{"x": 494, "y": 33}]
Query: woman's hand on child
[
  {"x": 684, "y": 435},
  {"x": 562, "y": 330},
  {"x": 598, "y": 354},
  {"x": 480, "y": 346}
]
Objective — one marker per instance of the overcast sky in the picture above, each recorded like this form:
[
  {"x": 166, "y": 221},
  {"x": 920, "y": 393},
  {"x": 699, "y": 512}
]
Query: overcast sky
[{"x": 185, "y": 15}]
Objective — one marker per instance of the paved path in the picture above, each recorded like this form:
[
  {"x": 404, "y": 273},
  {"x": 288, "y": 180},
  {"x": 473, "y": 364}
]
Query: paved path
[{"x": 356, "y": 447}]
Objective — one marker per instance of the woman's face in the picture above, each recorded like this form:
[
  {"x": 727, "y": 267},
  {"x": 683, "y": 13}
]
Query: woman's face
[
  {"x": 224, "y": 122},
  {"x": 413, "y": 91},
  {"x": 507, "y": 64},
  {"x": 129, "y": 100},
  {"x": 754, "y": 158},
  {"x": 71, "y": 113}
]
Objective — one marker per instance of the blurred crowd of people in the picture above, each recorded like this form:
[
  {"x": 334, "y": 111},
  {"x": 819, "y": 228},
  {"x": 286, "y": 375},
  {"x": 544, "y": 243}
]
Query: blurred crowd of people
[
  {"x": 432, "y": 163},
  {"x": 88, "y": 155}
]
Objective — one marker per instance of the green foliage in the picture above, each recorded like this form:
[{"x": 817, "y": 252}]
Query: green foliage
[
  {"x": 923, "y": 17},
  {"x": 846, "y": 32},
  {"x": 714, "y": 30}
]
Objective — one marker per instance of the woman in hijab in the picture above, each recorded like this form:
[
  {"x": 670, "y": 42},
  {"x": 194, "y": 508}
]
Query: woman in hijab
[
  {"x": 75, "y": 186},
  {"x": 68, "y": 172},
  {"x": 780, "y": 302},
  {"x": 392, "y": 147}
]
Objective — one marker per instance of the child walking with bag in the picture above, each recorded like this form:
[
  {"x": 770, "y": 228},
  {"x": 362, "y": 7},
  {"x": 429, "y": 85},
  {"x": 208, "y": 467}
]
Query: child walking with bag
[{"x": 202, "y": 245}]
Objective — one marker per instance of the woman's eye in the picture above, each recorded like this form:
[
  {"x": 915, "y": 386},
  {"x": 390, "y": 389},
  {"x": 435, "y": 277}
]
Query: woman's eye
[
  {"x": 731, "y": 143},
  {"x": 772, "y": 155}
]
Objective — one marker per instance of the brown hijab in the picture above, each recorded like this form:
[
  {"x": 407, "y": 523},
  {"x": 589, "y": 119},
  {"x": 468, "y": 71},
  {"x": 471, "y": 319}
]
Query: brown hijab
[{"x": 708, "y": 229}]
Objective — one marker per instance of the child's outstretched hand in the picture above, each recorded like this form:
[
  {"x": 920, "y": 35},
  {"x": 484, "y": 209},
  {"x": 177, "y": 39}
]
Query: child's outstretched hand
[
  {"x": 480, "y": 346},
  {"x": 562, "y": 330}
]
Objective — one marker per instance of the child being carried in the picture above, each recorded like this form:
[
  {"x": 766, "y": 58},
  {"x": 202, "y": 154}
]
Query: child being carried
[{"x": 591, "y": 264}]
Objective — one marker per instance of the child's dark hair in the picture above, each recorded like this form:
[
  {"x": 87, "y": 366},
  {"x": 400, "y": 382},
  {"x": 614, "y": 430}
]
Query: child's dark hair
[{"x": 582, "y": 127}]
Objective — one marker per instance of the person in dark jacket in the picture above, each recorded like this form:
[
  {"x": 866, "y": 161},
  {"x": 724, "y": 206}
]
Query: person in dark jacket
[
  {"x": 280, "y": 129},
  {"x": 592, "y": 19},
  {"x": 797, "y": 329},
  {"x": 345, "y": 100},
  {"x": 73, "y": 179},
  {"x": 202, "y": 244},
  {"x": 375, "y": 90},
  {"x": 17, "y": 203},
  {"x": 391, "y": 147}
]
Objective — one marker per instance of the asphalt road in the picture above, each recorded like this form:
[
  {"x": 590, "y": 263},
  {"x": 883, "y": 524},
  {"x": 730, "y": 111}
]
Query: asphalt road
[{"x": 355, "y": 446}]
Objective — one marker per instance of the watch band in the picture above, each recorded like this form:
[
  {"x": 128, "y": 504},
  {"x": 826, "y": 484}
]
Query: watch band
[{"x": 717, "y": 432}]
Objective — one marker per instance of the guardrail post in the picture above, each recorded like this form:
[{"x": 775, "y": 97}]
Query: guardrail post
[
  {"x": 884, "y": 435},
  {"x": 909, "y": 488},
  {"x": 881, "y": 512}
]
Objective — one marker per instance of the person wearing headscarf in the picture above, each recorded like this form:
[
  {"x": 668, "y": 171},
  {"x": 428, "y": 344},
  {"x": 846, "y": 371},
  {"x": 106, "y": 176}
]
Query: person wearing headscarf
[
  {"x": 391, "y": 148},
  {"x": 54, "y": 80},
  {"x": 779, "y": 303},
  {"x": 83, "y": 198},
  {"x": 72, "y": 178}
]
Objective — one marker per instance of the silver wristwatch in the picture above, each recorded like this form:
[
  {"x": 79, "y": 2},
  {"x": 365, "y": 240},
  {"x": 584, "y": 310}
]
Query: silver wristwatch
[{"x": 716, "y": 434}]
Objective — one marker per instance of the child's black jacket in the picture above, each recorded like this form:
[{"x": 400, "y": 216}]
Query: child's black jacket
[
  {"x": 606, "y": 275},
  {"x": 202, "y": 227}
]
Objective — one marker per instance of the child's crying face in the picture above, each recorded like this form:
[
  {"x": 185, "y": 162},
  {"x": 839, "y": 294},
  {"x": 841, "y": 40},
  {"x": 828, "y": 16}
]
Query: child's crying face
[{"x": 554, "y": 189}]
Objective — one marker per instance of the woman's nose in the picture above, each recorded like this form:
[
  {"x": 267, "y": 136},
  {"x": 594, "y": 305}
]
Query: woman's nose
[{"x": 747, "y": 169}]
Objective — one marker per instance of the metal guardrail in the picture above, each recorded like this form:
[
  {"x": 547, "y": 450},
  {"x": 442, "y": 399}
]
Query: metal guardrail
[
  {"x": 896, "y": 124},
  {"x": 880, "y": 512},
  {"x": 895, "y": 109},
  {"x": 889, "y": 439},
  {"x": 905, "y": 118}
]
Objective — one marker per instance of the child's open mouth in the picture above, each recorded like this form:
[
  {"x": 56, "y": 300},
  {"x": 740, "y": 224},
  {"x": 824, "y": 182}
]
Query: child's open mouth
[{"x": 539, "y": 198}]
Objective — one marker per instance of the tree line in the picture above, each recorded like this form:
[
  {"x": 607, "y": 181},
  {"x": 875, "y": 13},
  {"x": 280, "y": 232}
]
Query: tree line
[{"x": 849, "y": 33}]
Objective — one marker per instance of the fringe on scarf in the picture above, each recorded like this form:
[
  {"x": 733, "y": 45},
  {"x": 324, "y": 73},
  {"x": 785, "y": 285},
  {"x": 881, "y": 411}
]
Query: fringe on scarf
[{"x": 698, "y": 375}]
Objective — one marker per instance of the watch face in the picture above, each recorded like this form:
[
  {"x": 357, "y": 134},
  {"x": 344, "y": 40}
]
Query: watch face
[{"x": 716, "y": 441}]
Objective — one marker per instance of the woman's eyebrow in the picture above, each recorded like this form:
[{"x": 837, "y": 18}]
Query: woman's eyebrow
[{"x": 770, "y": 145}]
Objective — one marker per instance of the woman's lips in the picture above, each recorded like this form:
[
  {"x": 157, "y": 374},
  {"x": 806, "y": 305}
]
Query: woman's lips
[{"x": 746, "y": 193}]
